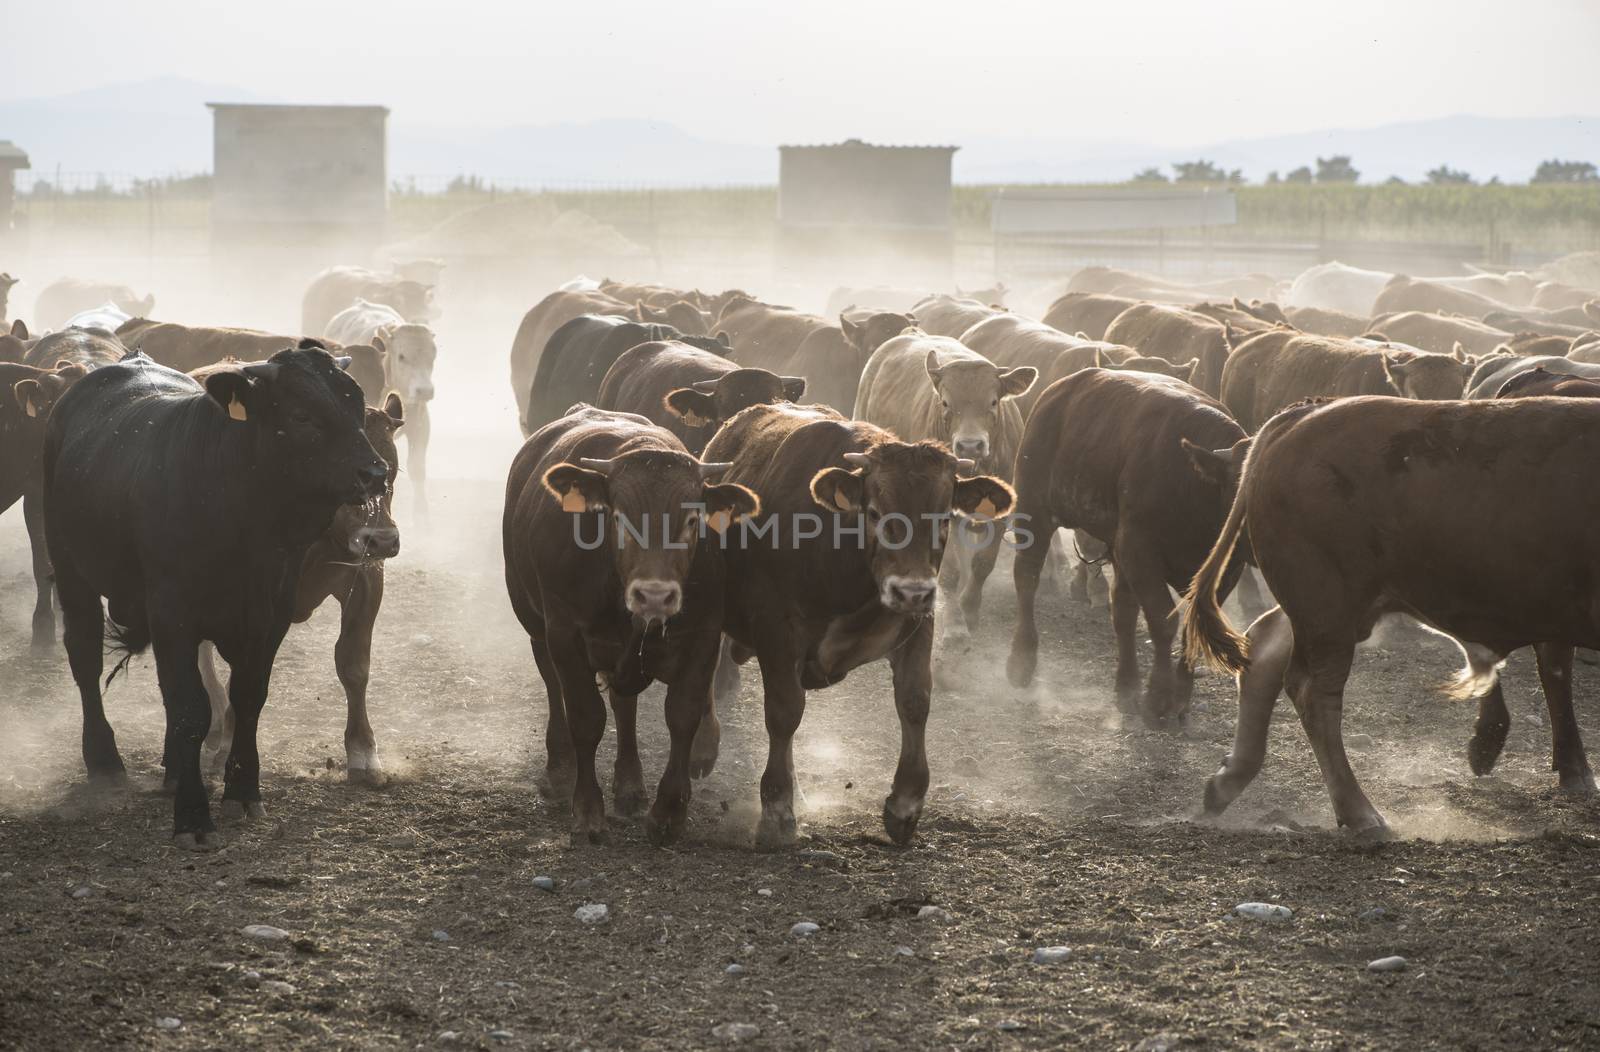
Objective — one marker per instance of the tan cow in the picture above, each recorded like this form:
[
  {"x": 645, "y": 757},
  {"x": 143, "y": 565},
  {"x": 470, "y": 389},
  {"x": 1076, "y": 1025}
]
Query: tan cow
[
  {"x": 1439, "y": 333},
  {"x": 538, "y": 325}
]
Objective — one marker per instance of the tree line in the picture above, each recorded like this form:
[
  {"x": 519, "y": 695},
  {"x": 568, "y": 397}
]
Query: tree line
[{"x": 1338, "y": 169}]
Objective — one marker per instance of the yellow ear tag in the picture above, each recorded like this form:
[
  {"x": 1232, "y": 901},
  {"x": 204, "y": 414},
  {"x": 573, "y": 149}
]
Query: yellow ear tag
[
  {"x": 572, "y": 500},
  {"x": 236, "y": 409},
  {"x": 32, "y": 409},
  {"x": 720, "y": 520},
  {"x": 841, "y": 502},
  {"x": 986, "y": 509},
  {"x": 693, "y": 419}
]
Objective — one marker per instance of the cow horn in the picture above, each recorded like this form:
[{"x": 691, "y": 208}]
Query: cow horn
[
  {"x": 860, "y": 460},
  {"x": 602, "y": 466},
  {"x": 705, "y": 386},
  {"x": 709, "y": 469}
]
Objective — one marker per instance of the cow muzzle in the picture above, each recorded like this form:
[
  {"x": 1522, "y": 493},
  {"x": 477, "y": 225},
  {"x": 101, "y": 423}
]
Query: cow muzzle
[
  {"x": 421, "y": 393},
  {"x": 971, "y": 448},
  {"x": 375, "y": 542},
  {"x": 908, "y": 595},
  {"x": 653, "y": 600}
]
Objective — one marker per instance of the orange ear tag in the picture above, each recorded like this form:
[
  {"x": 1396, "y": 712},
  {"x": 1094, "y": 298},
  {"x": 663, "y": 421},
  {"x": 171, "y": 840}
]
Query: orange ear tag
[
  {"x": 573, "y": 501},
  {"x": 236, "y": 409},
  {"x": 986, "y": 509},
  {"x": 32, "y": 409},
  {"x": 720, "y": 520}
]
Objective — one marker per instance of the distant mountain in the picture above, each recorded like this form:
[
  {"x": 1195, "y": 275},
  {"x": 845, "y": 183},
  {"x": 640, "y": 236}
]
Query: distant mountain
[{"x": 161, "y": 126}]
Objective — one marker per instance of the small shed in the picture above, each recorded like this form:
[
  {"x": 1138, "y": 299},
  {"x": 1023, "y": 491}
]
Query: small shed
[
  {"x": 309, "y": 175},
  {"x": 885, "y": 209},
  {"x": 12, "y": 158}
]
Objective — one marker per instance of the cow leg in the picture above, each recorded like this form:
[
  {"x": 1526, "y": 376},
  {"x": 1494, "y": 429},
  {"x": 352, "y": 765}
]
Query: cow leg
[
  {"x": 1088, "y": 575},
  {"x": 955, "y": 574},
  {"x": 1125, "y": 625},
  {"x": 183, "y": 694},
  {"x": 784, "y": 701},
  {"x": 586, "y": 722},
  {"x": 911, "y": 665},
  {"x": 44, "y": 615},
  {"x": 352, "y": 659},
  {"x": 247, "y": 696},
  {"x": 1489, "y": 730},
  {"x": 688, "y": 703},
  {"x": 220, "y": 739},
  {"x": 84, "y": 635},
  {"x": 627, "y": 776},
  {"x": 725, "y": 687},
  {"x": 418, "y": 428},
  {"x": 1567, "y": 758},
  {"x": 1025, "y": 571},
  {"x": 1316, "y": 680},
  {"x": 708, "y": 737},
  {"x": 979, "y": 567},
  {"x": 1162, "y": 702},
  {"x": 559, "y": 771},
  {"x": 1271, "y": 641}
]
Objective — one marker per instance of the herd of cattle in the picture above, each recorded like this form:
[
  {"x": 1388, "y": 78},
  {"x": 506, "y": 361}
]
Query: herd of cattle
[{"x": 710, "y": 478}]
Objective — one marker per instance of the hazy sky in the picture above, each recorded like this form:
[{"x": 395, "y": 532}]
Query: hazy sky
[{"x": 936, "y": 70}]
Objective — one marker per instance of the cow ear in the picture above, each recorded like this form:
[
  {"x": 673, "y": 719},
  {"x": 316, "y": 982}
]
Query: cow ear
[
  {"x": 578, "y": 489},
  {"x": 694, "y": 408},
  {"x": 794, "y": 387},
  {"x": 1210, "y": 464},
  {"x": 1458, "y": 352},
  {"x": 851, "y": 330},
  {"x": 19, "y": 329},
  {"x": 231, "y": 390},
  {"x": 1015, "y": 382},
  {"x": 839, "y": 490},
  {"x": 35, "y": 396},
  {"x": 378, "y": 344},
  {"x": 395, "y": 410},
  {"x": 1394, "y": 370},
  {"x": 983, "y": 497},
  {"x": 727, "y": 503},
  {"x": 722, "y": 338},
  {"x": 1185, "y": 372},
  {"x": 933, "y": 366}
]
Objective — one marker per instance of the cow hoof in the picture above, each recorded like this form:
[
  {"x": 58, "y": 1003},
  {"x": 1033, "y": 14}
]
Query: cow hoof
[
  {"x": 630, "y": 801},
  {"x": 587, "y": 835},
  {"x": 1371, "y": 828},
  {"x": 242, "y": 811},
  {"x": 108, "y": 777},
  {"x": 662, "y": 832},
  {"x": 1483, "y": 751},
  {"x": 1216, "y": 801},
  {"x": 1578, "y": 784},
  {"x": 1020, "y": 668},
  {"x": 212, "y": 841},
  {"x": 900, "y": 830},
  {"x": 776, "y": 832},
  {"x": 374, "y": 777}
]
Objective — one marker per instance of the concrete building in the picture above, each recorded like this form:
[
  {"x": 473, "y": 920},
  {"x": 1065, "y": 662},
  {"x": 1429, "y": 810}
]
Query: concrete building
[
  {"x": 299, "y": 177},
  {"x": 12, "y": 158},
  {"x": 880, "y": 212}
]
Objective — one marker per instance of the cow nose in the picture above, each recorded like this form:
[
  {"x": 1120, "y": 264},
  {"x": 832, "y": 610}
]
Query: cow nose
[
  {"x": 376, "y": 542},
  {"x": 909, "y": 595},
  {"x": 972, "y": 448},
  {"x": 654, "y": 600},
  {"x": 373, "y": 477},
  {"x": 422, "y": 393}
]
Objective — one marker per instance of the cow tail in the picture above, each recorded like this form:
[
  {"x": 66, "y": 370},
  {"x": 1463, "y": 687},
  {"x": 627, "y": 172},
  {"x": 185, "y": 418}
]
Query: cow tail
[{"x": 1208, "y": 637}]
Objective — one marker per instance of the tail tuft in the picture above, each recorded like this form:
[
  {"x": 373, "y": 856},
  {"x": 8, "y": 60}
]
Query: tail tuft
[{"x": 127, "y": 640}]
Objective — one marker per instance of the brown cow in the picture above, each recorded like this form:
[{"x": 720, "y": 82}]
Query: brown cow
[
  {"x": 1538, "y": 383},
  {"x": 764, "y": 334},
  {"x": 830, "y": 357},
  {"x": 689, "y": 391},
  {"x": 680, "y": 314},
  {"x": 654, "y": 295},
  {"x": 338, "y": 287},
  {"x": 1412, "y": 294},
  {"x": 1439, "y": 333},
  {"x": 618, "y": 609},
  {"x": 535, "y": 330},
  {"x": 1370, "y": 506},
  {"x": 1110, "y": 279},
  {"x": 1139, "y": 462},
  {"x": 1177, "y": 335},
  {"x": 1086, "y": 313},
  {"x": 187, "y": 348},
  {"x": 842, "y": 571},
  {"x": 931, "y": 387},
  {"x": 1320, "y": 321},
  {"x": 1273, "y": 370},
  {"x": 345, "y": 563}
]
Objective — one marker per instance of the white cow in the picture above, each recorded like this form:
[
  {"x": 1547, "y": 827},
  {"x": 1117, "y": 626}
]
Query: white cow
[
  {"x": 408, "y": 351},
  {"x": 107, "y": 317},
  {"x": 1337, "y": 286}
]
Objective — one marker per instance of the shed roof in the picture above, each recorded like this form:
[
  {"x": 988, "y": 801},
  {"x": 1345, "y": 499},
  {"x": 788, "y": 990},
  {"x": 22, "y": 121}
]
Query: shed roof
[
  {"x": 858, "y": 144},
  {"x": 293, "y": 106},
  {"x": 12, "y": 155}
]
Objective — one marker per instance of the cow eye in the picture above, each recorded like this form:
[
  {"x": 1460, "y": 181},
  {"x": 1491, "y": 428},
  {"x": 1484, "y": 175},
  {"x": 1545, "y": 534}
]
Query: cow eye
[
  {"x": 873, "y": 513},
  {"x": 995, "y": 404},
  {"x": 944, "y": 403}
]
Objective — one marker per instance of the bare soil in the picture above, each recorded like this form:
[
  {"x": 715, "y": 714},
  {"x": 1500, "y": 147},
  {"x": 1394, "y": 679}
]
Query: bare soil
[{"x": 1049, "y": 823}]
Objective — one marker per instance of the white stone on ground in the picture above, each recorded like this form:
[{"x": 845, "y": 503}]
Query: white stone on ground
[{"x": 592, "y": 913}]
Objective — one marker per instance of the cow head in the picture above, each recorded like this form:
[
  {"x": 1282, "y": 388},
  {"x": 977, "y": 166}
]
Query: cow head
[
  {"x": 711, "y": 402},
  {"x": 660, "y": 503},
  {"x": 682, "y": 315},
  {"x": 136, "y": 307},
  {"x": 1428, "y": 377},
  {"x": 970, "y": 392},
  {"x": 1159, "y": 366},
  {"x": 905, "y": 493},
  {"x": 26, "y": 396},
  {"x": 305, "y": 419},
  {"x": 878, "y": 329},
  {"x": 366, "y": 530},
  {"x": 408, "y": 355},
  {"x": 994, "y": 296}
]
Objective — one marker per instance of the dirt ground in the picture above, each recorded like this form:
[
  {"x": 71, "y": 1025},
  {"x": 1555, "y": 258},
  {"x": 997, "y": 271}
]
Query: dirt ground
[{"x": 414, "y": 919}]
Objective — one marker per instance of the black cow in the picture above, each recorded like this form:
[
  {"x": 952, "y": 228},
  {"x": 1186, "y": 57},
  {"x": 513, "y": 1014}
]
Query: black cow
[
  {"x": 579, "y": 354},
  {"x": 190, "y": 509}
]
